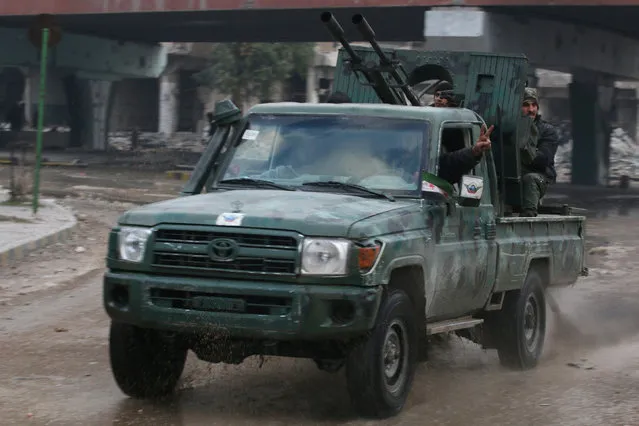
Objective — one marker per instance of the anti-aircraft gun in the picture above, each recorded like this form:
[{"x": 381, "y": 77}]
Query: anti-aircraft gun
[
  {"x": 490, "y": 84},
  {"x": 373, "y": 73},
  {"x": 392, "y": 88}
]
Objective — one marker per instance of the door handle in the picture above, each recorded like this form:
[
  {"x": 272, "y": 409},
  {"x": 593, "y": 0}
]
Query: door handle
[{"x": 491, "y": 231}]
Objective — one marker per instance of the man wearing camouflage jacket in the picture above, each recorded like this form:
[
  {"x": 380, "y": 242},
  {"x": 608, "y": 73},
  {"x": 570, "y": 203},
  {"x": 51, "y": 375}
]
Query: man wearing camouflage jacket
[{"x": 538, "y": 156}]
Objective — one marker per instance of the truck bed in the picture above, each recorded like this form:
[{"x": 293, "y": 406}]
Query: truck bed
[{"x": 556, "y": 241}]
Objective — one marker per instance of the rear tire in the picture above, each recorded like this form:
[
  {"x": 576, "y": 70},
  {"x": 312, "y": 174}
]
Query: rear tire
[
  {"x": 520, "y": 328},
  {"x": 145, "y": 363},
  {"x": 380, "y": 370}
]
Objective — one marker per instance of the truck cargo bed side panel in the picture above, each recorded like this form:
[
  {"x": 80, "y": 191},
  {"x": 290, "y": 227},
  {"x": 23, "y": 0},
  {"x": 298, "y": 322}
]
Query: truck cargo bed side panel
[{"x": 555, "y": 240}]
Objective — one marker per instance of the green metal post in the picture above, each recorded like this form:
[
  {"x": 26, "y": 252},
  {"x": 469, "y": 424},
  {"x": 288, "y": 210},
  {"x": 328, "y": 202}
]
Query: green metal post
[{"x": 43, "y": 87}]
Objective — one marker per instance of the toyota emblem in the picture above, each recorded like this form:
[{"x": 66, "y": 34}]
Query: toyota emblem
[{"x": 223, "y": 249}]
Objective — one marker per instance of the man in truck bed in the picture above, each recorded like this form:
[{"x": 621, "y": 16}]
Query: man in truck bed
[{"x": 538, "y": 166}]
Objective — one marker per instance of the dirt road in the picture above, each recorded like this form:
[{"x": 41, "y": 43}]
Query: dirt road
[{"x": 54, "y": 367}]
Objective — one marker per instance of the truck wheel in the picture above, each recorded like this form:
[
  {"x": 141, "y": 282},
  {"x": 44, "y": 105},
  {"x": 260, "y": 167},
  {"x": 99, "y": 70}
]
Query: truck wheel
[
  {"x": 145, "y": 363},
  {"x": 521, "y": 325},
  {"x": 380, "y": 370}
]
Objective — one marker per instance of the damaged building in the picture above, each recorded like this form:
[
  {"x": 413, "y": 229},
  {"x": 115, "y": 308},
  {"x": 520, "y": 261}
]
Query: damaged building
[{"x": 171, "y": 110}]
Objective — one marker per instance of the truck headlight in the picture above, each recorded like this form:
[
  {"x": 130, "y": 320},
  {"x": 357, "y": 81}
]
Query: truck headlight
[
  {"x": 132, "y": 243},
  {"x": 324, "y": 257}
]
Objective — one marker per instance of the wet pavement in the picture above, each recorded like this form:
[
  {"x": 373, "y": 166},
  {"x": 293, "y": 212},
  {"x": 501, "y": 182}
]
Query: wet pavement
[{"x": 55, "y": 368}]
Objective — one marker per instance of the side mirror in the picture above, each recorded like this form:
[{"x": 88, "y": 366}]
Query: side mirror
[
  {"x": 225, "y": 117},
  {"x": 226, "y": 112},
  {"x": 471, "y": 190}
]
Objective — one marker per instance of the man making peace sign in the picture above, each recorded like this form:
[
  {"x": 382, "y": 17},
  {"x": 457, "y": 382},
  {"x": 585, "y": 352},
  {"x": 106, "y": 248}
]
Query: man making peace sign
[{"x": 453, "y": 165}]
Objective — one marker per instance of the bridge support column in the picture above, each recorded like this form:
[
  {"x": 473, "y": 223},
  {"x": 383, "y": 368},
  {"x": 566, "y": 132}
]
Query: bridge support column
[
  {"x": 169, "y": 102},
  {"x": 100, "y": 107},
  {"x": 591, "y": 104},
  {"x": 627, "y": 111},
  {"x": 89, "y": 103},
  {"x": 27, "y": 96},
  {"x": 630, "y": 123},
  {"x": 311, "y": 85}
]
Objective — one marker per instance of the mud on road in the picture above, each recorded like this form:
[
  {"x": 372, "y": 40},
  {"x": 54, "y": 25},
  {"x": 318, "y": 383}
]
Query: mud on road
[{"x": 55, "y": 368}]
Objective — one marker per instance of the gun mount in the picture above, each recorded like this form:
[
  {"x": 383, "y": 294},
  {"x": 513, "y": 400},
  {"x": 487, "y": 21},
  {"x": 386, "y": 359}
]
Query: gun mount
[
  {"x": 490, "y": 84},
  {"x": 374, "y": 73}
]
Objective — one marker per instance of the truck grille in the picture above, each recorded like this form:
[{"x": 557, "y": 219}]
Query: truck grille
[
  {"x": 252, "y": 240},
  {"x": 248, "y": 252},
  {"x": 212, "y": 302}
]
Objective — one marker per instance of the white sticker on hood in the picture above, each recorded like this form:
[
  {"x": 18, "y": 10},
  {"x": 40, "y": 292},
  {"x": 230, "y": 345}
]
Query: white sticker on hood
[
  {"x": 250, "y": 135},
  {"x": 230, "y": 219}
]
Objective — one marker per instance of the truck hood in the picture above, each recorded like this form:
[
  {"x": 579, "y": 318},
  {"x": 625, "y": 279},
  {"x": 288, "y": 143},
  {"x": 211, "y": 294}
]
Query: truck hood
[{"x": 309, "y": 213}]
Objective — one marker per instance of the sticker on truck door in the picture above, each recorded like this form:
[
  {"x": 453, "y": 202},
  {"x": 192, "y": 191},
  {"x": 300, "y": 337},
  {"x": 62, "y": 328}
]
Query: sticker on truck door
[
  {"x": 250, "y": 135},
  {"x": 230, "y": 219},
  {"x": 472, "y": 187}
]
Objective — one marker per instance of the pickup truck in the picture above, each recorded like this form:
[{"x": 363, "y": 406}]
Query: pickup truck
[{"x": 308, "y": 230}]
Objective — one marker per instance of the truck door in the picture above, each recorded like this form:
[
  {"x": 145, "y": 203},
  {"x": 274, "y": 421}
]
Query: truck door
[
  {"x": 448, "y": 275},
  {"x": 466, "y": 253},
  {"x": 478, "y": 242}
]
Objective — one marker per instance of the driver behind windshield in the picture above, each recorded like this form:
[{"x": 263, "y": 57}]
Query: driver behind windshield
[
  {"x": 328, "y": 158},
  {"x": 378, "y": 153}
]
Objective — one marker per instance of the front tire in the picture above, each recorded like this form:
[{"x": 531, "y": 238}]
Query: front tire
[
  {"x": 145, "y": 363},
  {"x": 380, "y": 370},
  {"x": 520, "y": 328}
]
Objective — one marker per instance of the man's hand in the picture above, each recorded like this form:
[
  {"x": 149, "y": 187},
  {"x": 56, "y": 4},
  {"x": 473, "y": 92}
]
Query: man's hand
[{"x": 483, "y": 143}]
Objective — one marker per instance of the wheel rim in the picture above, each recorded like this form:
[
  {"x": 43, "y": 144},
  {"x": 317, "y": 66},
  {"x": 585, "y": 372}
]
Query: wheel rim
[
  {"x": 395, "y": 357},
  {"x": 531, "y": 323}
]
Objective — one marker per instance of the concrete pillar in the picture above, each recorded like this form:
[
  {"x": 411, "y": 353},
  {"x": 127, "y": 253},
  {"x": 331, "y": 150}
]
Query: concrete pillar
[
  {"x": 608, "y": 105},
  {"x": 311, "y": 85},
  {"x": 100, "y": 99},
  {"x": 89, "y": 106},
  {"x": 636, "y": 128},
  {"x": 169, "y": 102},
  {"x": 631, "y": 125},
  {"x": 27, "y": 96},
  {"x": 590, "y": 104},
  {"x": 626, "y": 110}
]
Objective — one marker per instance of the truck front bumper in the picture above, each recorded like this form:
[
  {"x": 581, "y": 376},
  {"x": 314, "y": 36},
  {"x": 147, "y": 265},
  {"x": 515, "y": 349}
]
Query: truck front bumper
[{"x": 240, "y": 308}]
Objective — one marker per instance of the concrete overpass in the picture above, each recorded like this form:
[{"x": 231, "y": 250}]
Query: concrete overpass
[{"x": 106, "y": 40}]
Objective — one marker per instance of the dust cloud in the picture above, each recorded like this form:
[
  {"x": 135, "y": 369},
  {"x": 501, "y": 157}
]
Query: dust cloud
[{"x": 601, "y": 310}]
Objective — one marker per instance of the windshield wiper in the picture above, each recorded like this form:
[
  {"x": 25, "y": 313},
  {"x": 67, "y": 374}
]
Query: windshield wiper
[
  {"x": 258, "y": 182},
  {"x": 342, "y": 185}
]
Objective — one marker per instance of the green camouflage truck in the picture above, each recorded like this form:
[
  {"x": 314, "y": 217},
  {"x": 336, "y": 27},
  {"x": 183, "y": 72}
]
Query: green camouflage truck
[{"x": 307, "y": 230}]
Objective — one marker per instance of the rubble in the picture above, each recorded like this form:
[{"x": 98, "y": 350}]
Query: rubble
[
  {"x": 624, "y": 157},
  {"x": 180, "y": 141}
]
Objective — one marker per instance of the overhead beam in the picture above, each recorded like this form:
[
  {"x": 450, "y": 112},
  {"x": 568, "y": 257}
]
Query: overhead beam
[
  {"x": 92, "y": 55},
  {"x": 62, "y": 7}
]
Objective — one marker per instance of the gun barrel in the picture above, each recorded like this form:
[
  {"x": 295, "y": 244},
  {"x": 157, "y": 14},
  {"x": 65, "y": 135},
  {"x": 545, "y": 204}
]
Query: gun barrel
[
  {"x": 337, "y": 32},
  {"x": 363, "y": 27},
  {"x": 333, "y": 26},
  {"x": 369, "y": 35},
  {"x": 385, "y": 93}
]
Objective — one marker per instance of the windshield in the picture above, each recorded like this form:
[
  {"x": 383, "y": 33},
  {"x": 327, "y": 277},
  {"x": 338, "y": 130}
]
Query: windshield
[{"x": 377, "y": 153}]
